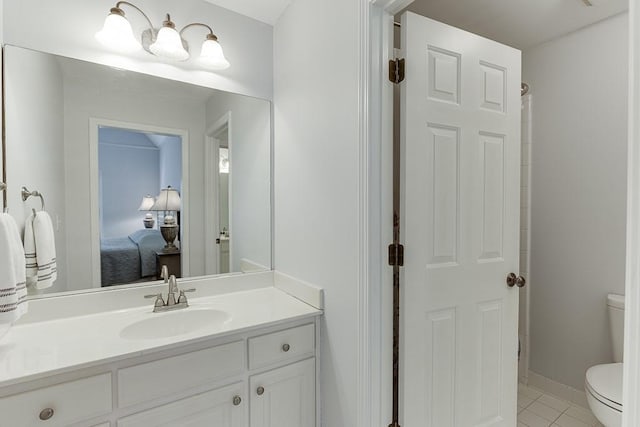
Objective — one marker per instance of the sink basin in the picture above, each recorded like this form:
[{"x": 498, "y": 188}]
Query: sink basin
[{"x": 165, "y": 325}]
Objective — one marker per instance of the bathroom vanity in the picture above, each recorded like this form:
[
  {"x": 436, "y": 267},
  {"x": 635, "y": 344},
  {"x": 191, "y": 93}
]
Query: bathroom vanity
[{"x": 242, "y": 354}]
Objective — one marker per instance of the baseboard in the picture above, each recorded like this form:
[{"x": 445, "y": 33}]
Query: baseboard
[{"x": 557, "y": 389}]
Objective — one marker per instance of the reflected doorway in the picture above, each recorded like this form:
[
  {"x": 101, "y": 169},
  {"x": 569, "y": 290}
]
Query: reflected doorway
[
  {"x": 224, "y": 167},
  {"x": 218, "y": 197},
  {"x": 139, "y": 186}
]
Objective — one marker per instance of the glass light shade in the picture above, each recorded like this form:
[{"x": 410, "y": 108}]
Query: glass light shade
[
  {"x": 147, "y": 203},
  {"x": 212, "y": 56},
  {"x": 168, "y": 44},
  {"x": 168, "y": 200},
  {"x": 117, "y": 34}
]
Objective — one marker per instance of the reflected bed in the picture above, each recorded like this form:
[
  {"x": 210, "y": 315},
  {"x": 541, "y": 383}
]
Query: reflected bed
[{"x": 130, "y": 259}]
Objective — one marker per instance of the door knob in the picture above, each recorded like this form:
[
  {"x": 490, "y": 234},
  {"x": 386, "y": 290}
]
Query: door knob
[{"x": 513, "y": 280}]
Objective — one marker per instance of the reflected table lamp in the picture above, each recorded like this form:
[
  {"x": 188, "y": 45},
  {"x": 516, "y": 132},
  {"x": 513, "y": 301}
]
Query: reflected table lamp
[
  {"x": 146, "y": 205},
  {"x": 168, "y": 201}
]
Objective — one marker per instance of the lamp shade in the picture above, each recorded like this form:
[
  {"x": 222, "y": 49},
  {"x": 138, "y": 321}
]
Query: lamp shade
[
  {"x": 212, "y": 56},
  {"x": 117, "y": 34},
  {"x": 167, "y": 200},
  {"x": 147, "y": 203},
  {"x": 168, "y": 44}
]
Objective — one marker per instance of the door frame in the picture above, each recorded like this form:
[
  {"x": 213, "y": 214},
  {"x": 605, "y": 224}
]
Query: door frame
[
  {"x": 631, "y": 392},
  {"x": 375, "y": 211},
  {"x": 94, "y": 181},
  {"x": 211, "y": 207},
  {"x": 374, "y": 294}
]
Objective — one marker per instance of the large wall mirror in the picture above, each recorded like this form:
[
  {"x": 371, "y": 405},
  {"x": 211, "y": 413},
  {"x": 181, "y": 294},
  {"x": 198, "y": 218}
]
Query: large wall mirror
[{"x": 136, "y": 171}]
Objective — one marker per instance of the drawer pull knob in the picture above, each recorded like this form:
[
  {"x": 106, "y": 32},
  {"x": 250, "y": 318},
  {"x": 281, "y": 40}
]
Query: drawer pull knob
[
  {"x": 286, "y": 347},
  {"x": 46, "y": 414},
  {"x": 260, "y": 391},
  {"x": 236, "y": 400}
]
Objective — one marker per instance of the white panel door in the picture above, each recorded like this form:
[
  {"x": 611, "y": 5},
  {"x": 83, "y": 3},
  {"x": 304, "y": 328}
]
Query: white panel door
[
  {"x": 284, "y": 397},
  {"x": 460, "y": 196}
]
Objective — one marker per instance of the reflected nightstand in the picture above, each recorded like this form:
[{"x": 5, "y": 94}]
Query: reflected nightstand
[{"x": 171, "y": 260}]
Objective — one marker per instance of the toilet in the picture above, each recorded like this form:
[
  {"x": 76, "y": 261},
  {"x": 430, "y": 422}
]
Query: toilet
[{"x": 603, "y": 383}]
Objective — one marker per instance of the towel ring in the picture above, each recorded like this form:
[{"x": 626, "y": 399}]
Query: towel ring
[{"x": 26, "y": 194}]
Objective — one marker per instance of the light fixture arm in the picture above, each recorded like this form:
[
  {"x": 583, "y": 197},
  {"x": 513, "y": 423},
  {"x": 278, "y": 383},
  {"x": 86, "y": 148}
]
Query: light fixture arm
[
  {"x": 210, "y": 36},
  {"x": 118, "y": 10}
]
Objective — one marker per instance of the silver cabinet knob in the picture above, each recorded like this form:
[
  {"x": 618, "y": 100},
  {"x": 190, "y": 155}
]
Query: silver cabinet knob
[
  {"x": 260, "y": 391},
  {"x": 286, "y": 347},
  {"x": 513, "y": 280},
  {"x": 46, "y": 414},
  {"x": 237, "y": 400}
]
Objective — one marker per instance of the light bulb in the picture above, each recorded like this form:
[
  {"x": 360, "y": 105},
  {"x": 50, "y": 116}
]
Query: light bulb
[
  {"x": 211, "y": 54},
  {"x": 117, "y": 34},
  {"x": 168, "y": 43}
]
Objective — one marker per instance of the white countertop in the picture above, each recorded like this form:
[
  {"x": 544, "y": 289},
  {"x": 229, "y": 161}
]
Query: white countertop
[{"x": 37, "y": 349}]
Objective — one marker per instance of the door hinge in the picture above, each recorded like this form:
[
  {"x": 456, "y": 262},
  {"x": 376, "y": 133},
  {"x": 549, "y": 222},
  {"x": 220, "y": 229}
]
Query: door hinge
[
  {"x": 396, "y": 255},
  {"x": 396, "y": 70}
]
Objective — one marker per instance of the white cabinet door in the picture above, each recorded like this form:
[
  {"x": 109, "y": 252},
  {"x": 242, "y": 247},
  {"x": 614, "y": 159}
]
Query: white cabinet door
[
  {"x": 461, "y": 197},
  {"x": 224, "y": 407},
  {"x": 284, "y": 397}
]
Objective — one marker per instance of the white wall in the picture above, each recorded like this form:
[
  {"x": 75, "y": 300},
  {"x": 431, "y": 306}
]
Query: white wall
[
  {"x": 579, "y": 87},
  {"x": 316, "y": 179},
  {"x": 34, "y": 102},
  {"x": 170, "y": 161},
  {"x": 67, "y": 27},
  {"x": 250, "y": 178},
  {"x": 127, "y": 173}
]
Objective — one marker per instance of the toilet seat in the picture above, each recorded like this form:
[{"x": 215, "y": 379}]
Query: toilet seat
[{"x": 604, "y": 382}]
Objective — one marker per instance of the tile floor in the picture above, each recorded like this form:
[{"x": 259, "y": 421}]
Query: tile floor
[{"x": 536, "y": 409}]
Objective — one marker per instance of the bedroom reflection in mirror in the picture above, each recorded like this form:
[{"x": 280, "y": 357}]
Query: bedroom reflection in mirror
[{"x": 134, "y": 167}]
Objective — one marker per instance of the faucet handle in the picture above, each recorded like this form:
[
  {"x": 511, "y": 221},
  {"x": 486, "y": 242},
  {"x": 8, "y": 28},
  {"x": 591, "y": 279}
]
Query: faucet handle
[
  {"x": 183, "y": 298},
  {"x": 164, "y": 273},
  {"x": 159, "y": 301}
]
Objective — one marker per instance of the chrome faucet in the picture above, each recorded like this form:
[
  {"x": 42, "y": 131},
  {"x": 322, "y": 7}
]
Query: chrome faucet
[
  {"x": 164, "y": 273},
  {"x": 171, "y": 304}
]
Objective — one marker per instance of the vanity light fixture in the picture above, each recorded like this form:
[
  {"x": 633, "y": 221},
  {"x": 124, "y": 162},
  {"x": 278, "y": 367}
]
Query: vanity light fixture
[{"x": 165, "y": 42}]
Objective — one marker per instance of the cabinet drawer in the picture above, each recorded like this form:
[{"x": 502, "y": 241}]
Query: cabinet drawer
[
  {"x": 281, "y": 346},
  {"x": 224, "y": 407},
  {"x": 165, "y": 377},
  {"x": 71, "y": 402}
]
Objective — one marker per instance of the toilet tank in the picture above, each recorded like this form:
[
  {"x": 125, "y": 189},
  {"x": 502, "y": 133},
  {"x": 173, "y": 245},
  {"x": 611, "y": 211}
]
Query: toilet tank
[{"x": 615, "y": 307}]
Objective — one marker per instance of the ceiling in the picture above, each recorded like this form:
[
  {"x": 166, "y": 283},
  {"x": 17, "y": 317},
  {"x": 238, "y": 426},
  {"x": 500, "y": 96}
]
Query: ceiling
[
  {"x": 267, "y": 11},
  {"x": 518, "y": 23}
]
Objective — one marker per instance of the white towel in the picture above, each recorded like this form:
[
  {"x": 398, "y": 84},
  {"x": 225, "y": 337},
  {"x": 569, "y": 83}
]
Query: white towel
[
  {"x": 13, "y": 290},
  {"x": 40, "y": 250}
]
